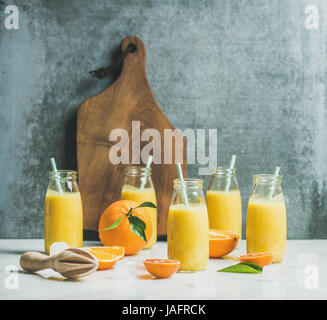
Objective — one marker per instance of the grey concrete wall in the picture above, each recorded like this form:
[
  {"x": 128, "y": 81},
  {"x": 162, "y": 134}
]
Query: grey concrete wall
[{"x": 248, "y": 68}]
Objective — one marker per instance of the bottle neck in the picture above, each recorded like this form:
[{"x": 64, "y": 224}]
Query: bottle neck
[
  {"x": 63, "y": 181},
  {"x": 138, "y": 177},
  {"x": 189, "y": 190},
  {"x": 223, "y": 179},
  {"x": 267, "y": 187}
]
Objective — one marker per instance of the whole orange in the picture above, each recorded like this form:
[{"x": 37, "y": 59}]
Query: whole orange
[{"x": 123, "y": 235}]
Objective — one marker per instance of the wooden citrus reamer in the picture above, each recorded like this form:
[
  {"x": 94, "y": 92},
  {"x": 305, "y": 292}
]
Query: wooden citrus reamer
[{"x": 71, "y": 263}]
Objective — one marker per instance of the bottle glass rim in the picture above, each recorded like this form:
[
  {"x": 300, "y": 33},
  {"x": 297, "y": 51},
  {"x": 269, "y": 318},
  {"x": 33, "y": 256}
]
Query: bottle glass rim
[
  {"x": 63, "y": 175},
  {"x": 138, "y": 170},
  {"x": 267, "y": 179},
  {"x": 224, "y": 171},
  {"x": 188, "y": 183}
]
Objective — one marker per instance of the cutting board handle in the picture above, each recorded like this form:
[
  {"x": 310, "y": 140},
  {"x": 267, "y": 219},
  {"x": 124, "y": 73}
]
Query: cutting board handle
[{"x": 138, "y": 56}]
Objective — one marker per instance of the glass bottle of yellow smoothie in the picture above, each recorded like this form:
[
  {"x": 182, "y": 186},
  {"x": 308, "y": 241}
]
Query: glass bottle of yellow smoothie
[
  {"x": 224, "y": 201},
  {"x": 266, "y": 217},
  {"x": 138, "y": 186},
  {"x": 63, "y": 212},
  {"x": 188, "y": 226}
]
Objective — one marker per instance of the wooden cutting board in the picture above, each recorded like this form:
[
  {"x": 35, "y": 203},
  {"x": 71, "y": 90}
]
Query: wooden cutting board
[{"x": 129, "y": 98}]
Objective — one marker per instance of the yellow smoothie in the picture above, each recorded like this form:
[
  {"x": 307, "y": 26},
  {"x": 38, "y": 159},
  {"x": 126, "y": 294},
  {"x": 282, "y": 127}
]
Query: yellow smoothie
[
  {"x": 225, "y": 210},
  {"x": 140, "y": 196},
  {"x": 188, "y": 236},
  {"x": 266, "y": 227},
  {"x": 63, "y": 219}
]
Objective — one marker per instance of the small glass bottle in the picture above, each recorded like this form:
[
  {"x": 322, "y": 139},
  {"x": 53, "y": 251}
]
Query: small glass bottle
[
  {"x": 224, "y": 201},
  {"x": 188, "y": 226},
  {"x": 138, "y": 186},
  {"x": 63, "y": 211},
  {"x": 266, "y": 217}
]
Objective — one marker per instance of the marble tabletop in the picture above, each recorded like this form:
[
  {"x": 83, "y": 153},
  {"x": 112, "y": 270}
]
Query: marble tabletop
[{"x": 302, "y": 275}]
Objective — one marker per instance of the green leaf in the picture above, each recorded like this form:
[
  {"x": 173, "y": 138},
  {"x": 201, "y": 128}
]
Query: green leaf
[
  {"x": 137, "y": 226},
  {"x": 243, "y": 268},
  {"x": 147, "y": 204},
  {"x": 114, "y": 225},
  {"x": 253, "y": 265}
]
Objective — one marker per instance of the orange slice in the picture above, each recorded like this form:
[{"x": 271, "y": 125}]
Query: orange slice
[
  {"x": 262, "y": 259},
  {"x": 161, "y": 268},
  {"x": 107, "y": 256},
  {"x": 222, "y": 242}
]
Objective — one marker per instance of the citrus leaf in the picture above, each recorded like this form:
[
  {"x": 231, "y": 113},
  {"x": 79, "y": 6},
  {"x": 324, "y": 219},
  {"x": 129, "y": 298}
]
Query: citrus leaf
[
  {"x": 253, "y": 265},
  {"x": 114, "y": 225},
  {"x": 137, "y": 226},
  {"x": 242, "y": 268},
  {"x": 147, "y": 204}
]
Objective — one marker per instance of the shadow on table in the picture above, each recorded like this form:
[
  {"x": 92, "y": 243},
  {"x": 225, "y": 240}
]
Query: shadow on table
[
  {"x": 146, "y": 277},
  {"x": 13, "y": 251}
]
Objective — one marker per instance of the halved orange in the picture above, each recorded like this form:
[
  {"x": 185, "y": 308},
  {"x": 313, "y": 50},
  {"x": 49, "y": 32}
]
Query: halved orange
[
  {"x": 222, "y": 242},
  {"x": 262, "y": 258},
  {"x": 107, "y": 256},
  {"x": 161, "y": 268}
]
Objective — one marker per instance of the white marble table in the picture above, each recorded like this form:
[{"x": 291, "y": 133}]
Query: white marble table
[{"x": 302, "y": 275}]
